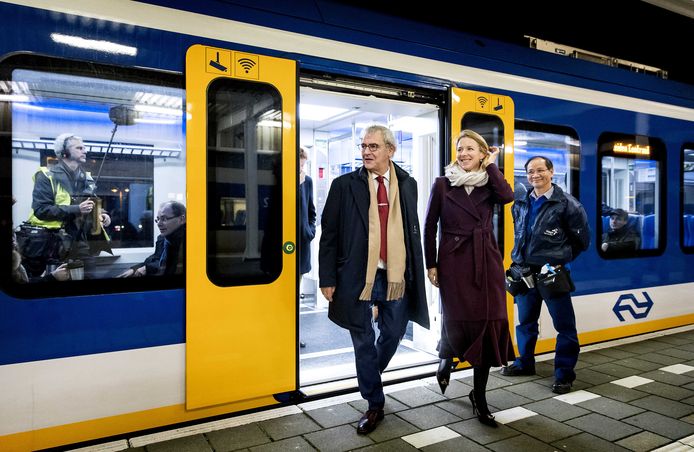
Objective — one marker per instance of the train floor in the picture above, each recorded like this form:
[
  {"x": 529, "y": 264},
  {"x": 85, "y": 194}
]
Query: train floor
[{"x": 633, "y": 394}]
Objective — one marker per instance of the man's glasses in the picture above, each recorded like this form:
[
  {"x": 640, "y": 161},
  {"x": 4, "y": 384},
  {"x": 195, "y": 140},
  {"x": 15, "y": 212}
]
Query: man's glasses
[
  {"x": 373, "y": 147},
  {"x": 164, "y": 219},
  {"x": 540, "y": 171}
]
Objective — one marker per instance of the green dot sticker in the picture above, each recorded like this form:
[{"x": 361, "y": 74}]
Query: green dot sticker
[{"x": 288, "y": 247}]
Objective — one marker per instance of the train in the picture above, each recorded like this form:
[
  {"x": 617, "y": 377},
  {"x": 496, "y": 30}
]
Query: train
[{"x": 206, "y": 104}]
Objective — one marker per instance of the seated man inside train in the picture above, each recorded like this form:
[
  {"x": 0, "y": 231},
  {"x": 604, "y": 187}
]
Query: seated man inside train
[
  {"x": 170, "y": 250},
  {"x": 620, "y": 238}
]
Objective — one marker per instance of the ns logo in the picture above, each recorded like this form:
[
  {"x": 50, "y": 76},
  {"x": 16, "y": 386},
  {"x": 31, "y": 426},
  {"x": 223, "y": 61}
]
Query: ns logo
[{"x": 628, "y": 302}]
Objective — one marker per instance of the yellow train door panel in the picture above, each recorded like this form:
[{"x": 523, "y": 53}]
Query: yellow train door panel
[{"x": 241, "y": 270}]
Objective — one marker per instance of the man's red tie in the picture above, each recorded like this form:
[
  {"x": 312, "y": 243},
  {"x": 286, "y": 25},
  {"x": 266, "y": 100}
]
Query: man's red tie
[{"x": 382, "y": 198}]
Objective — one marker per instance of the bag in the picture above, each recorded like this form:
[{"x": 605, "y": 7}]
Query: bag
[
  {"x": 552, "y": 285},
  {"x": 514, "y": 284},
  {"x": 36, "y": 242}
]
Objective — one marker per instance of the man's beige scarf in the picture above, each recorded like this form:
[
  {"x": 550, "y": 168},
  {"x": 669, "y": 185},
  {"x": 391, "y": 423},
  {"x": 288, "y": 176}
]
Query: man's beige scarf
[{"x": 395, "y": 256}]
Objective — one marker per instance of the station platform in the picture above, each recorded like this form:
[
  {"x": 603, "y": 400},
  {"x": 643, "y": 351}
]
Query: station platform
[{"x": 633, "y": 394}]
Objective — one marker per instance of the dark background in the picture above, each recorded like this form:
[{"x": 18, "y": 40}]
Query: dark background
[{"x": 630, "y": 30}]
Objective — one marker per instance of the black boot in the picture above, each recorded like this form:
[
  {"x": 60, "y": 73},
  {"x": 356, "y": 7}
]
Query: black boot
[
  {"x": 482, "y": 411},
  {"x": 443, "y": 374}
]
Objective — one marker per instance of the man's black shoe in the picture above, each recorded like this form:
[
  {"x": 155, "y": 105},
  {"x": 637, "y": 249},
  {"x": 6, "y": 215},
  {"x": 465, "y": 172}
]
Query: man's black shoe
[
  {"x": 369, "y": 421},
  {"x": 561, "y": 387},
  {"x": 516, "y": 371}
]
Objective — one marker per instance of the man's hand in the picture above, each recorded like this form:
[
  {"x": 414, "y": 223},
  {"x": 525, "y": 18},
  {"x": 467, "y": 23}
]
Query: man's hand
[
  {"x": 105, "y": 219},
  {"x": 433, "y": 274},
  {"x": 87, "y": 206},
  {"x": 328, "y": 292}
]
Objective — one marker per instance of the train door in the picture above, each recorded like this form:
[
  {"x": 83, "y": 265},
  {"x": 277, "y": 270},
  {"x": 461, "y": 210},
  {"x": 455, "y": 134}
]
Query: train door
[
  {"x": 492, "y": 116},
  {"x": 333, "y": 116},
  {"x": 241, "y": 269}
]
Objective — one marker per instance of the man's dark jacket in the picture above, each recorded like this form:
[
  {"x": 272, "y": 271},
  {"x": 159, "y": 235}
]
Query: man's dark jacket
[
  {"x": 560, "y": 232},
  {"x": 175, "y": 255},
  {"x": 343, "y": 251}
]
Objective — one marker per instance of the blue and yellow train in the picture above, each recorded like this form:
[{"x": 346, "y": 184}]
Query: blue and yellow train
[{"x": 206, "y": 103}]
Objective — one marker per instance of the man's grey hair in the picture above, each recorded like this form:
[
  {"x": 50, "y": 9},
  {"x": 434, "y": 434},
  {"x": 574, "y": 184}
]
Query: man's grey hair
[
  {"x": 61, "y": 143},
  {"x": 386, "y": 133}
]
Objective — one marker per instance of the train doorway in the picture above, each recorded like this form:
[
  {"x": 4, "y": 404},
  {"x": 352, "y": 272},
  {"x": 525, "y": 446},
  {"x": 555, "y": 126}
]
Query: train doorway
[{"x": 331, "y": 124}]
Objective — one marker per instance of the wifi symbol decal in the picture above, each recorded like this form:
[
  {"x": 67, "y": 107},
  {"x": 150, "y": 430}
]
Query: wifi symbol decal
[
  {"x": 247, "y": 64},
  {"x": 482, "y": 100}
]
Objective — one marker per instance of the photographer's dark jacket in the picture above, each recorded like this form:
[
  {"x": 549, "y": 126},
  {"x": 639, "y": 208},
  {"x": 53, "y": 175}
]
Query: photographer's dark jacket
[
  {"x": 57, "y": 194},
  {"x": 559, "y": 234}
]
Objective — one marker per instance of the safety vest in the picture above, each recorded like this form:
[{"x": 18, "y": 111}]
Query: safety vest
[{"x": 60, "y": 195}]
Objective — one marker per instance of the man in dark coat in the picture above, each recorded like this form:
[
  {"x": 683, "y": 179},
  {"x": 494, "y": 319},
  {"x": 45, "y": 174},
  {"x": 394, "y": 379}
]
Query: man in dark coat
[
  {"x": 551, "y": 227},
  {"x": 307, "y": 221},
  {"x": 170, "y": 250},
  {"x": 373, "y": 206}
]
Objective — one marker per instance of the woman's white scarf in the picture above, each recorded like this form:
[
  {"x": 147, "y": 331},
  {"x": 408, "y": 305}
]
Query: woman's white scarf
[
  {"x": 468, "y": 179},
  {"x": 396, "y": 252}
]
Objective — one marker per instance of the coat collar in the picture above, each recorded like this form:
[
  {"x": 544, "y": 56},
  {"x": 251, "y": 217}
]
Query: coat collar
[
  {"x": 360, "y": 190},
  {"x": 468, "y": 202}
]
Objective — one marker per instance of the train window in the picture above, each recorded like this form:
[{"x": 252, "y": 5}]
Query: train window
[
  {"x": 244, "y": 202},
  {"x": 687, "y": 224},
  {"x": 96, "y": 151},
  {"x": 560, "y": 144},
  {"x": 632, "y": 195}
]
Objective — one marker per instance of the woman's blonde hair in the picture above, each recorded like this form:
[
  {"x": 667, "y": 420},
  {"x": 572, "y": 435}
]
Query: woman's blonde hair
[{"x": 484, "y": 147}]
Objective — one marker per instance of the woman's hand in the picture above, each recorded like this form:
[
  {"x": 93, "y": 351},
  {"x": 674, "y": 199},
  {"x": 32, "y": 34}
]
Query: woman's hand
[
  {"x": 433, "y": 275},
  {"x": 493, "y": 155}
]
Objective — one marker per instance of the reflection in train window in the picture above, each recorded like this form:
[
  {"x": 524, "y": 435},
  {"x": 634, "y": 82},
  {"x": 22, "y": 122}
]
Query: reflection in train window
[
  {"x": 560, "y": 144},
  {"x": 119, "y": 147},
  {"x": 631, "y": 195},
  {"x": 687, "y": 225},
  {"x": 244, "y": 199}
]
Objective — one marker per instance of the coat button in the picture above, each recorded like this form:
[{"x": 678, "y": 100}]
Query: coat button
[{"x": 456, "y": 238}]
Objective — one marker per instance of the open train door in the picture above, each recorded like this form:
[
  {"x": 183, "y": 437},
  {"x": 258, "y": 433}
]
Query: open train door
[
  {"x": 492, "y": 116},
  {"x": 241, "y": 338}
]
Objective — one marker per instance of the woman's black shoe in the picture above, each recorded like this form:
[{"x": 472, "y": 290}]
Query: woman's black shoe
[
  {"x": 443, "y": 374},
  {"x": 484, "y": 417}
]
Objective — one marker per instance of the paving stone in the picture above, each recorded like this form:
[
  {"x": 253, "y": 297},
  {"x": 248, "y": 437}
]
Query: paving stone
[
  {"x": 618, "y": 392},
  {"x": 586, "y": 442},
  {"x": 669, "y": 378},
  {"x": 532, "y": 390},
  {"x": 543, "y": 428},
  {"x": 460, "y": 407},
  {"x": 286, "y": 426},
  {"x": 394, "y": 445},
  {"x": 660, "y": 358},
  {"x": 603, "y": 426},
  {"x": 417, "y": 396},
  {"x": 195, "y": 443},
  {"x": 595, "y": 358},
  {"x": 661, "y": 425},
  {"x": 689, "y": 419},
  {"x": 473, "y": 428},
  {"x": 455, "y": 444},
  {"x": 614, "y": 353},
  {"x": 332, "y": 416},
  {"x": 641, "y": 348},
  {"x": 391, "y": 427},
  {"x": 428, "y": 417},
  {"x": 296, "y": 443},
  {"x": 643, "y": 441},
  {"x": 638, "y": 364},
  {"x": 593, "y": 377},
  {"x": 521, "y": 443},
  {"x": 513, "y": 380},
  {"x": 503, "y": 399},
  {"x": 337, "y": 439},
  {"x": 689, "y": 347},
  {"x": 556, "y": 409},
  {"x": 615, "y": 370},
  {"x": 241, "y": 437},
  {"x": 611, "y": 408},
  {"x": 391, "y": 406},
  {"x": 664, "y": 406},
  {"x": 665, "y": 390},
  {"x": 673, "y": 339},
  {"x": 678, "y": 353},
  {"x": 456, "y": 389}
]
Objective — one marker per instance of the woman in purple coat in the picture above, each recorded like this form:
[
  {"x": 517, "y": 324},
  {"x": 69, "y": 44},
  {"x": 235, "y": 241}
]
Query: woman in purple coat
[{"x": 469, "y": 268}]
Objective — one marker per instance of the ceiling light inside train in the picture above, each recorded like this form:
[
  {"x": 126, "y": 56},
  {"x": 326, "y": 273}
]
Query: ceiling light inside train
[
  {"x": 158, "y": 110},
  {"x": 309, "y": 112},
  {"x": 93, "y": 44}
]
